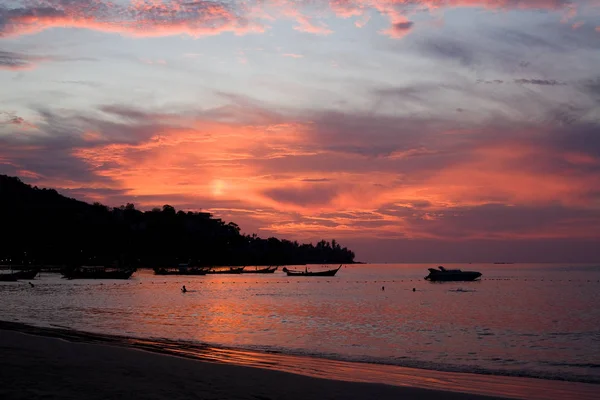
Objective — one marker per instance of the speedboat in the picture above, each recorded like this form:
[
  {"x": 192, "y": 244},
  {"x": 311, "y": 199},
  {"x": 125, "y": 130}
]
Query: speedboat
[{"x": 442, "y": 274}]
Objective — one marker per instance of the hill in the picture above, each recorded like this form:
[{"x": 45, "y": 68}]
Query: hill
[{"x": 40, "y": 226}]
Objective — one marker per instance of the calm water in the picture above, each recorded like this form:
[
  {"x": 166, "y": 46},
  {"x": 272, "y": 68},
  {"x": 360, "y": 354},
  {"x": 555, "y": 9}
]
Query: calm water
[{"x": 522, "y": 319}]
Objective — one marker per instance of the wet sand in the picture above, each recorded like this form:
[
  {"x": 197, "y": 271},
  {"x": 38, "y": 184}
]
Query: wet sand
[{"x": 58, "y": 363}]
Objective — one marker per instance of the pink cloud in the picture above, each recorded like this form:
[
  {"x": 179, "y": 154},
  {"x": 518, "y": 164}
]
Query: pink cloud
[
  {"x": 293, "y": 55},
  {"x": 577, "y": 25},
  {"x": 307, "y": 25},
  {"x": 139, "y": 18}
]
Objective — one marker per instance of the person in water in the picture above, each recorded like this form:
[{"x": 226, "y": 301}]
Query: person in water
[{"x": 183, "y": 289}]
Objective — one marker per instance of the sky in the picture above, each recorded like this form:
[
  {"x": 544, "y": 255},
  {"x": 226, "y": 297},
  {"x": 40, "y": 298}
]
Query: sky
[{"x": 408, "y": 130}]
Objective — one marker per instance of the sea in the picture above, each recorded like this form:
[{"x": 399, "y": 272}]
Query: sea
[{"x": 525, "y": 320}]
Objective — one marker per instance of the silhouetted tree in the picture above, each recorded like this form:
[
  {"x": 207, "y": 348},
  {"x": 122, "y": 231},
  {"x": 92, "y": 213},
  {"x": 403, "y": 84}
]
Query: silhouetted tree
[{"x": 52, "y": 229}]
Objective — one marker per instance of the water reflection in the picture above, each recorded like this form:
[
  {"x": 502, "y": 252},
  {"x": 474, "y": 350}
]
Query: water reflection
[{"x": 504, "y": 324}]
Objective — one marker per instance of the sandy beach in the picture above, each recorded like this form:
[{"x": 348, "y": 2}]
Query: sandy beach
[
  {"x": 36, "y": 367},
  {"x": 48, "y": 362}
]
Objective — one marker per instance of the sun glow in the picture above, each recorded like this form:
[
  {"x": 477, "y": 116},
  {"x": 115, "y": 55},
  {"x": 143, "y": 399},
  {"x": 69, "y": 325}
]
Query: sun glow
[{"x": 218, "y": 187}]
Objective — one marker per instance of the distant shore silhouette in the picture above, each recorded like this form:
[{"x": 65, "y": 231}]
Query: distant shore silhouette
[{"x": 47, "y": 228}]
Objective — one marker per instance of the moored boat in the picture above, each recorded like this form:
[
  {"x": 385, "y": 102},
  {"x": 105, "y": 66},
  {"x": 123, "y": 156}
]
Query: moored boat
[
  {"x": 18, "y": 275},
  {"x": 306, "y": 272},
  {"x": 447, "y": 275},
  {"x": 230, "y": 270},
  {"x": 267, "y": 270},
  {"x": 8, "y": 278},
  {"x": 26, "y": 275},
  {"x": 97, "y": 272},
  {"x": 182, "y": 269}
]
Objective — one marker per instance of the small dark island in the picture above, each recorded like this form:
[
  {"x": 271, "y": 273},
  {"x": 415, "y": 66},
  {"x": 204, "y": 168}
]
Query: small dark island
[{"x": 42, "y": 227}]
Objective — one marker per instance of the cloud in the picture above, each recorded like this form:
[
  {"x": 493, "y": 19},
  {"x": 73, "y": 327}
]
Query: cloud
[
  {"x": 138, "y": 18},
  {"x": 18, "y": 61},
  {"x": 292, "y": 55},
  {"x": 399, "y": 29},
  {"x": 542, "y": 82},
  {"x": 306, "y": 174},
  {"x": 200, "y": 18}
]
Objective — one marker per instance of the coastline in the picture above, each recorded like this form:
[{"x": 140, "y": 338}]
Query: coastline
[{"x": 36, "y": 350}]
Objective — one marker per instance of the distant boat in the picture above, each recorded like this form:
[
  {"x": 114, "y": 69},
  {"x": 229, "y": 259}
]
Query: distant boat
[
  {"x": 267, "y": 270},
  {"x": 182, "y": 269},
  {"x": 15, "y": 276},
  {"x": 306, "y": 272},
  {"x": 26, "y": 275},
  {"x": 230, "y": 270},
  {"x": 98, "y": 272},
  {"x": 444, "y": 275},
  {"x": 8, "y": 278}
]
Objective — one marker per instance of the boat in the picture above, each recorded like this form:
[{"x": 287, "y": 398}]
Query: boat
[
  {"x": 182, "y": 269},
  {"x": 98, "y": 272},
  {"x": 8, "y": 278},
  {"x": 230, "y": 270},
  {"x": 306, "y": 272},
  {"x": 267, "y": 270},
  {"x": 26, "y": 275},
  {"x": 18, "y": 275},
  {"x": 444, "y": 275}
]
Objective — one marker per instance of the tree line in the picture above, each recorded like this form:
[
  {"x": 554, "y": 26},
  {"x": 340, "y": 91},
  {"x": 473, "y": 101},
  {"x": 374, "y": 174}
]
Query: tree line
[{"x": 43, "y": 227}]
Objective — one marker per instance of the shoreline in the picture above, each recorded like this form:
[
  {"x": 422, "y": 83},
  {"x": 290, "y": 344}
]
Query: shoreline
[{"x": 341, "y": 373}]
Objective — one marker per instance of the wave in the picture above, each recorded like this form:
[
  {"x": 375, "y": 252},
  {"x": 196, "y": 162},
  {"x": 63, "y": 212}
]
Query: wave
[{"x": 286, "y": 358}]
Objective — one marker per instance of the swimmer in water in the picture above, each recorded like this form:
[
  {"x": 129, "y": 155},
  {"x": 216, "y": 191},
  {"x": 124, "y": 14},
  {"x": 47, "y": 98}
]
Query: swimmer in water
[{"x": 183, "y": 289}]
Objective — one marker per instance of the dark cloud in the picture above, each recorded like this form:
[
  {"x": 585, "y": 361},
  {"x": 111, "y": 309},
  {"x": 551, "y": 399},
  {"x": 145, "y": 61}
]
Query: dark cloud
[
  {"x": 17, "y": 61},
  {"x": 453, "y": 50},
  {"x": 543, "y": 82},
  {"x": 317, "y": 180}
]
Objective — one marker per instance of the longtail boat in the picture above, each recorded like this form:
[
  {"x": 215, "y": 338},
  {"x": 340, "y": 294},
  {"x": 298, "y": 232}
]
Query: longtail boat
[
  {"x": 18, "y": 275},
  {"x": 98, "y": 272},
  {"x": 230, "y": 270},
  {"x": 8, "y": 278},
  {"x": 26, "y": 275},
  {"x": 182, "y": 269},
  {"x": 306, "y": 272},
  {"x": 268, "y": 270}
]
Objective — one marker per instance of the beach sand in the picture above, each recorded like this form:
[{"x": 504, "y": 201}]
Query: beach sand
[{"x": 38, "y": 367}]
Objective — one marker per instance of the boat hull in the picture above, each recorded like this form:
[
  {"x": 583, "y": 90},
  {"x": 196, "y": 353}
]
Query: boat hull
[
  {"x": 330, "y": 272},
  {"x": 15, "y": 276},
  {"x": 8, "y": 278},
  {"x": 26, "y": 274},
  {"x": 225, "y": 271},
  {"x": 82, "y": 274},
  {"x": 194, "y": 272},
  {"x": 259, "y": 271}
]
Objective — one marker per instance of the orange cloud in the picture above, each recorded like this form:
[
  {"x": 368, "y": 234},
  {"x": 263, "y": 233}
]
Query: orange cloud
[
  {"x": 140, "y": 18},
  {"x": 200, "y": 18},
  {"x": 283, "y": 177}
]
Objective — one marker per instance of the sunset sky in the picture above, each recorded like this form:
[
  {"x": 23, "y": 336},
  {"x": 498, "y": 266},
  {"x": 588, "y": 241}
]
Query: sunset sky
[{"x": 408, "y": 130}]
